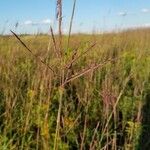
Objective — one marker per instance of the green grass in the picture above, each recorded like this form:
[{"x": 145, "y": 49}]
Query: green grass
[{"x": 105, "y": 108}]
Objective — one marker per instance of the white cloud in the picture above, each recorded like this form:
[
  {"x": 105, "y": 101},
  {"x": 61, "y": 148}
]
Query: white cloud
[
  {"x": 122, "y": 13},
  {"x": 144, "y": 25},
  {"x": 28, "y": 22},
  {"x": 47, "y": 21},
  {"x": 145, "y": 10},
  {"x": 43, "y": 22}
]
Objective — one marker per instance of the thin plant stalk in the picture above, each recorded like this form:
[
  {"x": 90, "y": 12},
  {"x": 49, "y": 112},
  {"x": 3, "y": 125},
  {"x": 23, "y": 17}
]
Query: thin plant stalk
[
  {"x": 71, "y": 22},
  {"x": 61, "y": 90},
  {"x": 38, "y": 58}
]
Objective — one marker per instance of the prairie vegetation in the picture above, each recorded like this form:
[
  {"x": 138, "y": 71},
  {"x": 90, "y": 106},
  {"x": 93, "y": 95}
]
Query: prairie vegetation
[
  {"x": 92, "y": 95},
  {"x": 75, "y": 92}
]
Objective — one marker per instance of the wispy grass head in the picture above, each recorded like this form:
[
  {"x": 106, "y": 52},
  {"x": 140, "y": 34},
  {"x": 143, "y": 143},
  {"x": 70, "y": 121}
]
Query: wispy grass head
[{"x": 59, "y": 9}]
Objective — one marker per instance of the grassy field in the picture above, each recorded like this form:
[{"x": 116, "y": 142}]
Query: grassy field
[{"x": 91, "y": 95}]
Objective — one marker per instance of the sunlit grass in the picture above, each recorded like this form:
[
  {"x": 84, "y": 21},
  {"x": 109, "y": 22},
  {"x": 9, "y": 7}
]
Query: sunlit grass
[{"x": 101, "y": 109}]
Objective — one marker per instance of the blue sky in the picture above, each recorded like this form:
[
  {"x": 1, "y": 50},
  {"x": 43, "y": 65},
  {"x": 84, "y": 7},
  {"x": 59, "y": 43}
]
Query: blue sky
[{"x": 91, "y": 15}]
